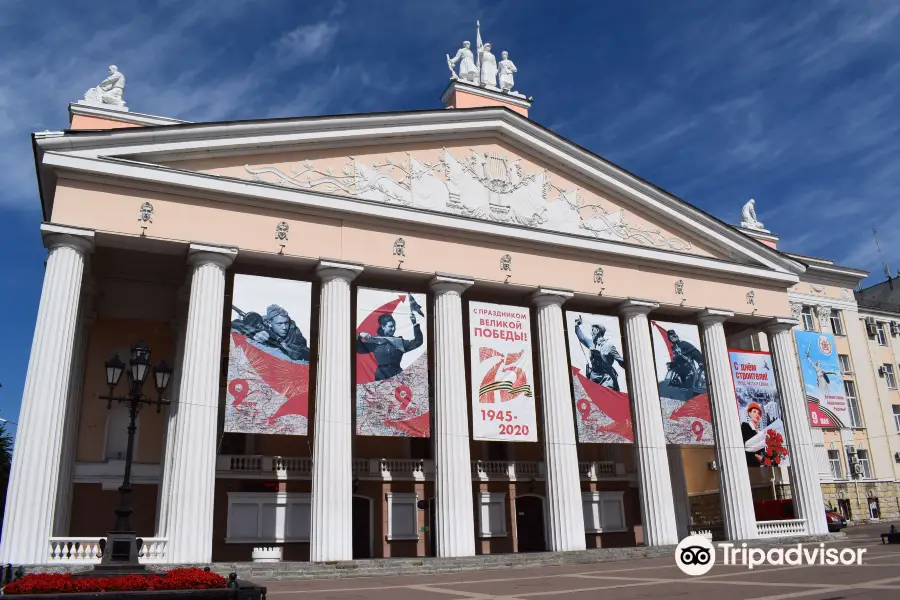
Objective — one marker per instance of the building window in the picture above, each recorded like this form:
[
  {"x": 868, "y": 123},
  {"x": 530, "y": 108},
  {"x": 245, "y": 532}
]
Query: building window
[
  {"x": 862, "y": 457},
  {"x": 880, "y": 334},
  {"x": 604, "y": 512},
  {"x": 889, "y": 376},
  {"x": 809, "y": 323},
  {"x": 844, "y": 360},
  {"x": 844, "y": 508},
  {"x": 896, "y": 408},
  {"x": 267, "y": 517},
  {"x": 837, "y": 326},
  {"x": 834, "y": 459},
  {"x": 853, "y": 404},
  {"x": 492, "y": 515},
  {"x": 403, "y": 516},
  {"x": 117, "y": 434}
]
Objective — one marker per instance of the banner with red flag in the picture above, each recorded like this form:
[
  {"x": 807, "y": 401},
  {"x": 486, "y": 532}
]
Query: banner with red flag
[
  {"x": 268, "y": 360},
  {"x": 502, "y": 377},
  {"x": 681, "y": 373},
  {"x": 602, "y": 409},
  {"x": 391, "y": 364}
]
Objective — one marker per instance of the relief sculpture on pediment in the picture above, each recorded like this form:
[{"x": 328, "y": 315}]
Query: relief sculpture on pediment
[{"x": 484, "y": 185}]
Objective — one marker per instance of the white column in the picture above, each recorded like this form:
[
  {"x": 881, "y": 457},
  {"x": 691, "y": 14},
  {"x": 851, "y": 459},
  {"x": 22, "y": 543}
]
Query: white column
[
  {"x": 655, "y": 484},
  {"x": 86, "y": 317},
  {"x": 190, "y": 506},
  {"x": 734, "y": 479},
  {"x": 34, "y": 474},
  {"x": 807, "y": 493},
  {"x": 564, "y": 507},
  {"x": 331, "y": 533},
  {"x": 679, "y": 491},
  {"x": 453, "y": 470},
  {"x": 164, "y": 494}
]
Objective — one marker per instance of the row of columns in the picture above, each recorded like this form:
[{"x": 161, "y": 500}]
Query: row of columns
[{"x": 186, "y": 494}]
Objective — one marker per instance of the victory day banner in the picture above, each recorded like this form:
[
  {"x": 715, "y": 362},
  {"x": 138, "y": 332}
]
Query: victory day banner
[
  {"x": 681, "y": 373},
  {"x": 759, "y": 409},
  {"x": 502, "y": 377},
  {"x": 391, "y": 364},
  {"x": 598, "y": 379},
  {"x": 822, "y": 379},
  {"x": 268, "y": 361}
]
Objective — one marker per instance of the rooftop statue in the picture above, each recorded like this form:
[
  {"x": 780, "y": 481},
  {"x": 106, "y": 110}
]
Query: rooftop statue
[
  {"x": 488, "y": 66},
  {"x": 109, "y": 93},
  {"x": 507, "y": 68},
  {"x": 748, "y": 217},
  {"x": 468, "y": 72}
]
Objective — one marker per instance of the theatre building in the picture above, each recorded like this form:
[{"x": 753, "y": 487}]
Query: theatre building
[{"x": 428, "y": 333}]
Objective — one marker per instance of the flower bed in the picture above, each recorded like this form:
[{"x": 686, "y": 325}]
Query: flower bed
[{"x": 176, "y": 579}]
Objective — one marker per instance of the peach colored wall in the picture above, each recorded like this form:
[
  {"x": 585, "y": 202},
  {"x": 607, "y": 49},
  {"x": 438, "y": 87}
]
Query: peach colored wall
[
  {"x": 461, "y": 99},
  {"x": 337, "y": 160},
  {"x": 89, "y": 122},
  {"x": 107, "y": 337},
  {"x": 110, "y": 209},
  {"x": 829, "y": 291}
]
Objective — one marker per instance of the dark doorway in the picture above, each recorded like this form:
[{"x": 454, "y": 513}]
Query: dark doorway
[
  {"x": 362, "y": 527},
  {"x": 432, "y": 527},
  {"x": 530, "y": 523},
  {"x": 844, "y": 508}
]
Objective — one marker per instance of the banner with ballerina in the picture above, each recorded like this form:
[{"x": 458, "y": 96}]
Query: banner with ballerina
[
  {"x": 599, "y": 382},
  {"x": 681, "y": 377},
  {"x": 759, "y": 408},
  {"x": 392, "y": 396},
  {"x": 268, "y": 360}
]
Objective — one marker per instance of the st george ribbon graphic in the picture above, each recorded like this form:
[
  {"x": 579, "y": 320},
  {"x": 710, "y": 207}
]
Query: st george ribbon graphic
[
  {"x": 681, "y": 376},
  {"x": 391, "y": 364},
  {"x": 502, "y": 377},
  {"x": 268, "y": 360},
  {"x": 602, "y": 409}
]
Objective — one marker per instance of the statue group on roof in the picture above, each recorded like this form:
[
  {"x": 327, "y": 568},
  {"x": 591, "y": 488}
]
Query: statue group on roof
[{"x": 483, "y": 69}]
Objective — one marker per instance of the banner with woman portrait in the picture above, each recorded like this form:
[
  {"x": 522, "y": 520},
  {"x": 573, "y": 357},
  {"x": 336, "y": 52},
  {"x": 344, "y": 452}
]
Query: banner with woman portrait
[
  {"x": 502, "y": 377},
  {"x": 602, "y": 410},
  {"x": 759, "y": 408},
  {"x": 681, "y": 376},
  {"x": 391, "y": 364},
  {"x": 268, "y": 359}
]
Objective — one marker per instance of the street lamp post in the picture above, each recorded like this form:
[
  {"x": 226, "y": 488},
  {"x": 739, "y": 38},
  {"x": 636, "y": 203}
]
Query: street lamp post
[{"x": 120, "y": 552}]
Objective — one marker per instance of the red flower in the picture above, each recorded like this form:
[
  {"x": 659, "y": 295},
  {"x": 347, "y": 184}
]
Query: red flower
[
  {"x": 176, "y": 579},
  {"x": 767, "y": 462}
]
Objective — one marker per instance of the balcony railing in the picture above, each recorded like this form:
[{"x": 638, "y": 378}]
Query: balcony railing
[
  {"x": 387, "y": 469},
  {"x": 84, "y": 550},
  {"x": 769, "y": 529}
]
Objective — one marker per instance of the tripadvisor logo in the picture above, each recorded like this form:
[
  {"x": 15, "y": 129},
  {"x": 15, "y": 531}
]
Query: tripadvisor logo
[{"x": 695, "y": 555}]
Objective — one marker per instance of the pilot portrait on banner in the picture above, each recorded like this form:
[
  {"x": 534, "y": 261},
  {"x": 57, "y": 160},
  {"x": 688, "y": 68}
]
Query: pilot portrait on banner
[
  {"x": 268, "y": 360},
  {"x": 391, "y": 364}
]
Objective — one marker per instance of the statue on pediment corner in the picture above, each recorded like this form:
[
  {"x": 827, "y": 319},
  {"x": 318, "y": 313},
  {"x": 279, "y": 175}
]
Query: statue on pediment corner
[
  {"x": 748, "y": 217},
  {"x": 109, "y": 93}
]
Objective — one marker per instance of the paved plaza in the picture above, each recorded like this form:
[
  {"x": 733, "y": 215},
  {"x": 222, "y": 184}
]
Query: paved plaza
[{"x": 877, "y": 578}]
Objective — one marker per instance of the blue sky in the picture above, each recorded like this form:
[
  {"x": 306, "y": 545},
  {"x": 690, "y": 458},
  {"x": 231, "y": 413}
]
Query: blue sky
[{"x": 794, "y": 104}]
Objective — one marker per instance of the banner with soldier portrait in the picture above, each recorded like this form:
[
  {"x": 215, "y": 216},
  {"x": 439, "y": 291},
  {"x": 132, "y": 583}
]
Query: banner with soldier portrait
[
  {"x": 681, "y": 376},
  {"x": 268, "y": 360},
  {"x": 392, "y": 396},
  {"x": 602, "y": 410},
  {"x": 502, "y": 378}
]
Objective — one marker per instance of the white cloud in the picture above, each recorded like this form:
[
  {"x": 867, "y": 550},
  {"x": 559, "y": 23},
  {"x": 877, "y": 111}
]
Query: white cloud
[{"x": 304, "y": 43}]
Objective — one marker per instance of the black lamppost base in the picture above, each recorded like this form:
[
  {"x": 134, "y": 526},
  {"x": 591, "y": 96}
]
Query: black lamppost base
[{"x": 120, "y": 556}]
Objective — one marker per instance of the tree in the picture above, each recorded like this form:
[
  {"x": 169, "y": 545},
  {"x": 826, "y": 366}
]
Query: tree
[{"x": 6, "y": 447}]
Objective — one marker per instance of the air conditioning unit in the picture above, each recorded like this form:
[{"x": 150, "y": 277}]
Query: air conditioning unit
[
  {"x": 851, "y": 450},
  {"x": 870, "y": 321},
  {"x": 895, "y": 328},
  {"x": 897, "y": 457},
  {"x": 881, "y": 372},
  {"x": 857, "y": 469},
  {"x": 871, "y": 330},
  {"x": 712, "y": 466}
]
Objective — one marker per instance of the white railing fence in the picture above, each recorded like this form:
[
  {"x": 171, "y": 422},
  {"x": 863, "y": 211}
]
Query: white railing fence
[
  {"x": 86, "y": 550},
  {"x": 768, "y": 529}
]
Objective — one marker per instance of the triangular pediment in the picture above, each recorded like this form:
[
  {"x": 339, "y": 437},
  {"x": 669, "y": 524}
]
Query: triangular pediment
[{"x": 487, "y": 166}]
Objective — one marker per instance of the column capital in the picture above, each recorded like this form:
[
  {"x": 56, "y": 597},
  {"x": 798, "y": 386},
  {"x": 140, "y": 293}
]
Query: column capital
[
  {"x": 444, "y": 282},
  {"x": 329, "y": 269},
  {"x": 221, "y": 256},
  {"x": 77, "y": 238},
  {"x": 633, "y": 306},
  {"x": 712, "y": 316},
  {"x": 779, "y": 324},
  {"x": 547, "y": 296}
]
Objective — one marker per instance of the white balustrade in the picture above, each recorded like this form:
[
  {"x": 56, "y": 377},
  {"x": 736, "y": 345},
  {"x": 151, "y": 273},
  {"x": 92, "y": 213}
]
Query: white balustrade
[
  {"x": 501, "y": 469},
  {"x": 770, "y": 529},
  {"x": 84, "y": 550},
  {"x": 266, "y": 554},
  {"x": 706, "y": 533},
  {"x": 597, "y": 469}
]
